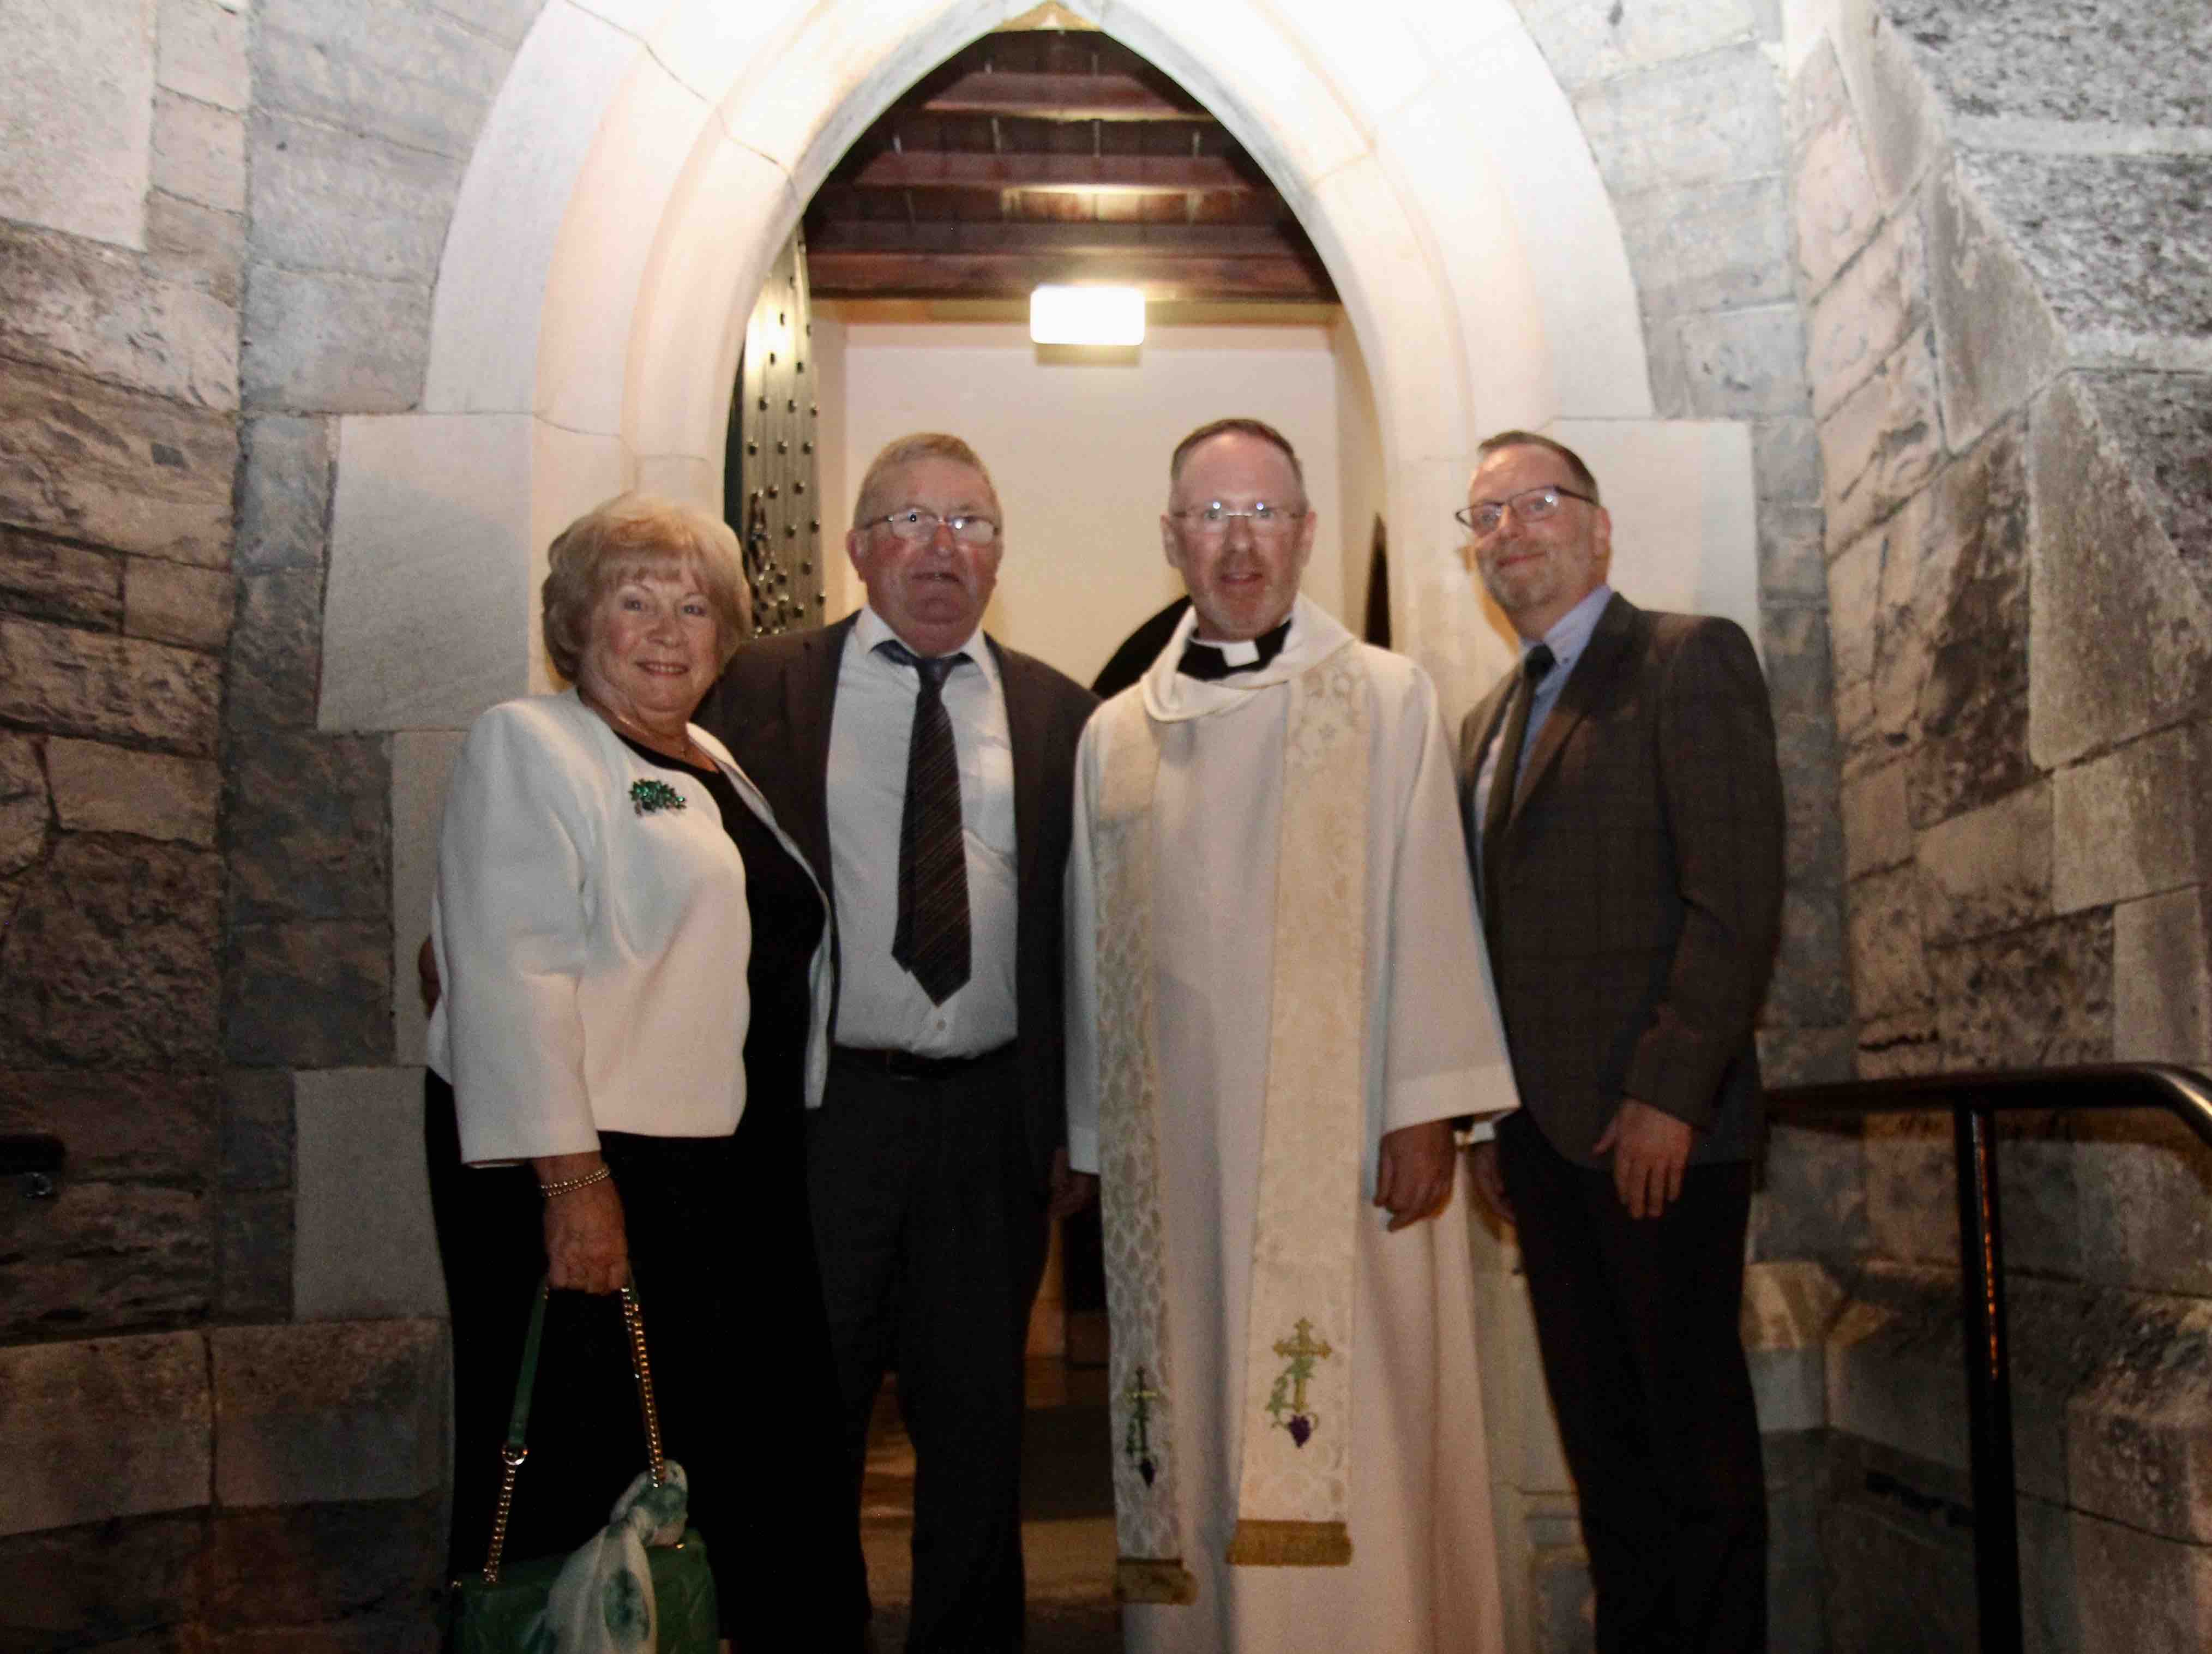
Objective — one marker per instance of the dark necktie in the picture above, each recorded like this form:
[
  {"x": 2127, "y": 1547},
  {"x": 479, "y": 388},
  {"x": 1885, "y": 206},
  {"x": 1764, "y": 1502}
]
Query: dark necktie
[
  {"x": 1505, "y": 779},
  {"x": 1206, "y": 662},
  {"x": 931, "y": 942}
]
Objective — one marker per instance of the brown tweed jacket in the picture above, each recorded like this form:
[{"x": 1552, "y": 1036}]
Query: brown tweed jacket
[{"x": 1640, "y": 893}]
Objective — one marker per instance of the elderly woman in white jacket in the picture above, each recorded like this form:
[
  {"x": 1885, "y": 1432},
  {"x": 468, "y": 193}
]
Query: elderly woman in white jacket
[{"x": 634, "y": 964}]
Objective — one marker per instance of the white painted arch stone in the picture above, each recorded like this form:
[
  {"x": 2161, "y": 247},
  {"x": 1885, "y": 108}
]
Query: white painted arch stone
[{"x": 644, "y": 159}]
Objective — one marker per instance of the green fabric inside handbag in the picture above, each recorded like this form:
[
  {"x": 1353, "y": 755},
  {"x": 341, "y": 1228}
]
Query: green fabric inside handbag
[{"x": 508, "y": 1618}]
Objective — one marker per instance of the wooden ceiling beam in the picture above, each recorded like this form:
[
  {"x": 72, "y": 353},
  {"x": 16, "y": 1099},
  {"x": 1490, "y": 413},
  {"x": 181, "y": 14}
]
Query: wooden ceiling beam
[
  {"x": 970, "y": 169},
  {"x": 1039, "y": 238},
  {"x": 853, "y": 275},
  {"x": 1059, "y": 97}
]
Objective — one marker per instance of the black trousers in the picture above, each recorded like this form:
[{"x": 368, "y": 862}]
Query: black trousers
[
  {"x": 1638, "y": 1323},
  {"x": 929, "y": 1224},
  {"x": 723, "y": 1255}
]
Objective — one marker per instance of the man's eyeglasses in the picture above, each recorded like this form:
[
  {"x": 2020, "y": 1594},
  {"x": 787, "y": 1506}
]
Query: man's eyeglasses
[
  {"x": 1211, "y": 520},
  {"x": 918, "y": 527},
  {"x": 1531, "y": 505}
]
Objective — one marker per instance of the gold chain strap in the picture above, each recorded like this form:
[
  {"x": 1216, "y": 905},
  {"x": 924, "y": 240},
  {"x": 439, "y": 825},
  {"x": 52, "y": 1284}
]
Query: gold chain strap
[
  {"x": 510, "y": 1458},
  {"x": 512, "y": 1454},
  {"x": 641, "y": 1366}
]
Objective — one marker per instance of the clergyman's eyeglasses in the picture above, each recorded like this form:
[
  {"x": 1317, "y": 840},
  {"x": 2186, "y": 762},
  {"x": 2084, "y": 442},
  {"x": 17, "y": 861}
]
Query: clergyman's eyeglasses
[{"x": 1211, "y": 520}]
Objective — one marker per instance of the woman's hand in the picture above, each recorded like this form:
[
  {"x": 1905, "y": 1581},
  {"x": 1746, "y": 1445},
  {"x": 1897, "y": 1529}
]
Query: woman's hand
[{"x": 586, "y": 1246}]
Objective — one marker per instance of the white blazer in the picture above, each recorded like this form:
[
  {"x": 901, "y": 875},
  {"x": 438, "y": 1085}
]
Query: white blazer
[{"x": 593, "y": 952}]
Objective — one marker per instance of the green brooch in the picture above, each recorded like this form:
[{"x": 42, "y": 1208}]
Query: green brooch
[{"x": 651, "y": 796}]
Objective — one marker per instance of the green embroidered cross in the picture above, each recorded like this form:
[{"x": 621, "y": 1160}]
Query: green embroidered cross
[
  {"x": 1138, "y": 1445},
  {"x": 650, "y": 795}
]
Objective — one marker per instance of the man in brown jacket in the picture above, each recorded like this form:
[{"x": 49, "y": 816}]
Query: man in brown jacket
[{"x": 1623, "y": 816}]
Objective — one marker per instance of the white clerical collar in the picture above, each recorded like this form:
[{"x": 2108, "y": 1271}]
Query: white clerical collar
[
  {"x": 1170, "y": 696},
  {"x": 1237, "y": 651}
]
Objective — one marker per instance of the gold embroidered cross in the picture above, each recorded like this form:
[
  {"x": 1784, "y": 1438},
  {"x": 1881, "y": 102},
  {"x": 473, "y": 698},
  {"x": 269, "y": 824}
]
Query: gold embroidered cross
[{"x": 1301, "y": 1352}]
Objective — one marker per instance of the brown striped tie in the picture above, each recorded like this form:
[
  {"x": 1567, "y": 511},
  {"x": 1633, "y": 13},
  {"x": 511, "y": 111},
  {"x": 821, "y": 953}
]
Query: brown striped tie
[{"x": 931, "y": 942}]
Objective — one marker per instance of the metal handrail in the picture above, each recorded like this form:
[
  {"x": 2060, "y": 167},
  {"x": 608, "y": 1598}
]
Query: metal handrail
[
  {"x": 1975, "y": 1100},
  {"x": 2184, "y": 1093}
]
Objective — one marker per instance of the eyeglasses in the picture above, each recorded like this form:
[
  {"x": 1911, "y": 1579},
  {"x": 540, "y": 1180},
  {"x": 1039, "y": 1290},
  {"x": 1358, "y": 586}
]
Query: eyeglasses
[
  {"x": 1211, "y": 520},
  {"x": 1531, "y": 505},
  {"x": 918, "y": 527}
]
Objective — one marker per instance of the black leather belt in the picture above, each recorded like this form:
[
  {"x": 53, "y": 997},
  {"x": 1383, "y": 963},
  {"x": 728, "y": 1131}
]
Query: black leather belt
[{"x": 911, "y": 1065}]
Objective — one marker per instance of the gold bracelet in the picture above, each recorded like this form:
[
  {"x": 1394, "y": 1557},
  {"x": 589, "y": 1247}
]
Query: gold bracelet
[{"x": 570, "y": 1185}]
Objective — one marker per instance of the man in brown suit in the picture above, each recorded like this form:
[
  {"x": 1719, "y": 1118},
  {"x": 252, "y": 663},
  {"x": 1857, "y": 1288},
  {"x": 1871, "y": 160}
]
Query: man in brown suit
[{"x": 1624, "y": 815}]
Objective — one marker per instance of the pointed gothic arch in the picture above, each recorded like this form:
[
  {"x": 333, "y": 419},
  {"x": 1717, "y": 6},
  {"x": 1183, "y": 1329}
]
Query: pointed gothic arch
[{"x": 635, "y": 179}]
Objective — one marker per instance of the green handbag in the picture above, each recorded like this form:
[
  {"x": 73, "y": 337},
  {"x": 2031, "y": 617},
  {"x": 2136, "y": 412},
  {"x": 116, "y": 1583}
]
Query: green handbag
[{"x": 502, "y": 1611}]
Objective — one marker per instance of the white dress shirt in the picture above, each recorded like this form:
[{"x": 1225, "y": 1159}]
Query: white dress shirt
[{"x": 878, "y": 1004}]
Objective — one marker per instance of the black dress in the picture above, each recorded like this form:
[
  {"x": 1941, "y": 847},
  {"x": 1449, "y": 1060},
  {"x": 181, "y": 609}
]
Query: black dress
[{"x": 722, "y": 1250}]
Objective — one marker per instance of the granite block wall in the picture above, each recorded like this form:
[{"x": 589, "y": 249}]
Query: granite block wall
[
  {"x": 194, "y": 882},
  {"x": 225, "y": 1487},
  {"x": 1999, "y": 224},
  {"x": 119, "y": 443}
]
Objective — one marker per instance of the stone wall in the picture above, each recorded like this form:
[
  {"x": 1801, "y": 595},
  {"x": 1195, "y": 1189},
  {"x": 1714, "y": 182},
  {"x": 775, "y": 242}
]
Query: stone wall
[
  {"x": 194, "y": 885},
  {"x": 235, "y": 1487},
  {"x": 362, "y": 119},
  {"x": 1999, "y": 234},
  {"x": 118, "y": 401}
]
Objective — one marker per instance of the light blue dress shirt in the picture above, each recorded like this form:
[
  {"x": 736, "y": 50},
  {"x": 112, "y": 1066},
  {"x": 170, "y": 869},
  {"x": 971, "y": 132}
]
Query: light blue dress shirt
[{"x": 1569, "y": 637}]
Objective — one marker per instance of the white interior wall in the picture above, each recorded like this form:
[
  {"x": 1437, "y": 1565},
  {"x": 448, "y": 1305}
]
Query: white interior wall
[
  {"x": 1080, "y": 453},
  {"x": 1684, "y": 513}
]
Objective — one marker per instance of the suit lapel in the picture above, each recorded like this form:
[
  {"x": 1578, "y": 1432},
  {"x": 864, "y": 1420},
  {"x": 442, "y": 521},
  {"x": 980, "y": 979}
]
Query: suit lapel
[
  {"x": 809, "y": 690},
  {"x": 1025, "y": 731},
  {"x": 1585, "y": 688},
  {"x": 1488, "y": 718}
]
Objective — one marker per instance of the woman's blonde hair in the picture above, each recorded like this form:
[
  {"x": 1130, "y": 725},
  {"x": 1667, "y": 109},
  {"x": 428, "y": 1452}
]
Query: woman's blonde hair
[{"x": 623, "y": 537}]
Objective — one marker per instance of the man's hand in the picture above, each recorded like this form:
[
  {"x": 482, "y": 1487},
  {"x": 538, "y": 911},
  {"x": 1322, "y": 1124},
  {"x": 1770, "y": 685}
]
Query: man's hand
[
  {"x": 1489, "y": 1179},
  {"x": 1413, "y": 1172},
  {"x": 1650, "y": 1147},
  {"x": 586, "y": 1243},
  {"x": 1070, "y": 1191}
]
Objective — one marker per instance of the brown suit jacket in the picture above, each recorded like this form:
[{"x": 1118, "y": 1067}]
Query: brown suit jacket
[
  {"x": 1641, "y": 890},
  {"x": 772, "y": 708}
]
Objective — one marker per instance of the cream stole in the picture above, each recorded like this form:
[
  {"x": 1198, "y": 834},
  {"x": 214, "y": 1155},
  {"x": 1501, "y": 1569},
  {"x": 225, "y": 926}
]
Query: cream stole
[{"x": 1294, "y": 1481}]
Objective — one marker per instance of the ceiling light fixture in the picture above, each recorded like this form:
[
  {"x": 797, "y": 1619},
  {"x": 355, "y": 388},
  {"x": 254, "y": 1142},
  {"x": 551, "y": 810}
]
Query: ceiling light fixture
[{"x": 1087, "y": 315}]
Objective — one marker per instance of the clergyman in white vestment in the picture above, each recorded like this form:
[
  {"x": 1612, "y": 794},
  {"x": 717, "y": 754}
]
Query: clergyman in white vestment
[{"x": 1278, "y": 1002}]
